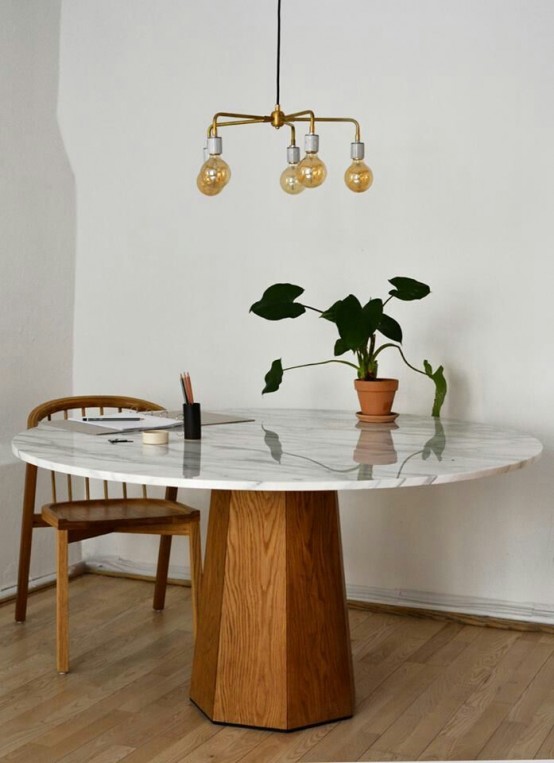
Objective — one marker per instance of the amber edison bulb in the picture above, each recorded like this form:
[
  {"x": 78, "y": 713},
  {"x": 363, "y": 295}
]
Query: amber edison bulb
[
  {"x": 207, "y": 189},
  {"x": 311, "y": 172},
  {"x": 290, "y": 182},
  {"x": 214, "y": 176},
  {"x": 358, "y": 177}
]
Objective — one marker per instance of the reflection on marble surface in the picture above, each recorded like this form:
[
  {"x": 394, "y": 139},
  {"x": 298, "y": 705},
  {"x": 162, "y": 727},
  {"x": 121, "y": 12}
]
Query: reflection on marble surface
[
  {"x": 375, "y": 444},
  {"x": 192, "y": 458},
  {"x": 292, "y": 450},
  {"x": 435, "y": 445}
]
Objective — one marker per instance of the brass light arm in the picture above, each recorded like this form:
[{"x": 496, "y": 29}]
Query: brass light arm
[
  {"x": 292, "y": 133},
  {"x": 238, "y": 119},
  {"x": 212, "y": 132},
  {"x": 332, "y": 119},
  {"x": 295, "y": 118}
]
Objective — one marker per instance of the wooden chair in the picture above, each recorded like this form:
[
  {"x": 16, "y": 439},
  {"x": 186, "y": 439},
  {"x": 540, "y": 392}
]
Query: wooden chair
[{"x": 77, "y": 520}]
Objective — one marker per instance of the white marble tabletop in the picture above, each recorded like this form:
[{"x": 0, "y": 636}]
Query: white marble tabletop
[{"x": 290, "y": 450}]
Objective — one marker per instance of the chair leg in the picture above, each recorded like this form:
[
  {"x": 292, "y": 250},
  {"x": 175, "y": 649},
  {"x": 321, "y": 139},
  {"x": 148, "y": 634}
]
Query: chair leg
[
  {"x": 195, "y": 553},
  {"x": 171, "y": 493},
  {"x": 162, "y": 572},
  {"x": 25, "y": 543},
  {"x": 62, "y": 603}
]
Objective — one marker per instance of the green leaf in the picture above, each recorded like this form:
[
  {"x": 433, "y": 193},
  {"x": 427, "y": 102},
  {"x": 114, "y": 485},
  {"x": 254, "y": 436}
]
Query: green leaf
[
  {"x": 273, "y": 377},
  {"x": 372, "y": 314},
  {"x": 331, "y": 313},
  {"x": 408, "y": 289},
  {"x": 277, "y": 302},
  {"x": 440, "y": 386},
  {"x": 341, "y": 347},
  {"x": 390, "y": 328},
  {"x": 350, "y": 323}
]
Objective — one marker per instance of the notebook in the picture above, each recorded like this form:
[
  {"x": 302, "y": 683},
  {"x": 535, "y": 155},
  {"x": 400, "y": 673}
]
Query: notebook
[{"x": 168, "y": 420}]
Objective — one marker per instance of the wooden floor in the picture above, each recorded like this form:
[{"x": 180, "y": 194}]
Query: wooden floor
[{"x": 426, "y": 689}]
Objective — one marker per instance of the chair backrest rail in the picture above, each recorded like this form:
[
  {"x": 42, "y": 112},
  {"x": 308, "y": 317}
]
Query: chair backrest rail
[{"x": 84, "y": 404}]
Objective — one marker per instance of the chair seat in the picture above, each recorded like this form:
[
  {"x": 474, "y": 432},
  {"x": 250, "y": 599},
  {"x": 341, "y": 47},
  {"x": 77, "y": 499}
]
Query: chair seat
[{"x": 117, "y": 512}]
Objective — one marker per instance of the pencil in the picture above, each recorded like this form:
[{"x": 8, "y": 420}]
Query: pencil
[
  {"x": 182, "y": 380},
  {"x": 188, "y": 389},
  {"x": 112, "y": 418}
]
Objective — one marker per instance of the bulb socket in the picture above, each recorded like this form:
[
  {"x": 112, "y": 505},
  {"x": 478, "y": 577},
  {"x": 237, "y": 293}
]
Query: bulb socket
[
  {"x": 311, "y": 143},
  {"x": 215, "y": 145},
  {"x": 357, "y": 150},
  {"x": 293, "y": 154}
]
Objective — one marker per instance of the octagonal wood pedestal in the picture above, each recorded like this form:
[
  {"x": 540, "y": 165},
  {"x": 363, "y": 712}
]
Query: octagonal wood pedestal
[{"x": 273, "y": 644}]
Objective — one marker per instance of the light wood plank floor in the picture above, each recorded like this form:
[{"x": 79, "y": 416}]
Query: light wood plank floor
[{"x": 426, "y": 689}]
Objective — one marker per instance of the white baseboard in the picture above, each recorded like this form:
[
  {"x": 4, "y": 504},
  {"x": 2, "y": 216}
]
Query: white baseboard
[
  {"x": 526, "y": 612},
  {"x": 531, "y": 612},
  {"x": 43, "y": 580},
  {"x": 127, "y": 567}
]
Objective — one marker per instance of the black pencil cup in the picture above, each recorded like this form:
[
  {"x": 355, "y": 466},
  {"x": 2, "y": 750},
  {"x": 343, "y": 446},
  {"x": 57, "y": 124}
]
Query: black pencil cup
[{"x": 192, "y": 421}]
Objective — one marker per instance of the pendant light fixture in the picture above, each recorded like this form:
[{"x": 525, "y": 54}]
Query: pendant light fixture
[{"x": 310, "y": 172}]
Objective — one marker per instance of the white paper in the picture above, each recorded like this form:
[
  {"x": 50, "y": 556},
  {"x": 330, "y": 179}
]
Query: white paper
[{"x": 112, "y": 422}]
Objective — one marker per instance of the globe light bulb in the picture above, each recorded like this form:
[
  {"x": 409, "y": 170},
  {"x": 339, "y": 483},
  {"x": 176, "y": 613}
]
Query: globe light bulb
[
  {"x": 290, "y": 182},
  {"x": 311, "y": 172},
  {"x": 207, "y": 189},
  {"x": 289, "y": 178},
  {"x": 215, "y": 172},
  {"x": 214, "y": 176},
  {"x": 358, "y": 177}
]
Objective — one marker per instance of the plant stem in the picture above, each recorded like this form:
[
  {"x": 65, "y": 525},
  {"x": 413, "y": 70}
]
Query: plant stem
[
  {"x": 372, "y": 365},
  {"x": 321, "y": 363},
  {"x": 311, "y": 308},
  {"x": 389, "y": 344}
]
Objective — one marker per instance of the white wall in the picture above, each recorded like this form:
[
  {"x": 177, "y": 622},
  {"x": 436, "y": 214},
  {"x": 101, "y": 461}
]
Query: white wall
[
  {"x": 37, "y": 252},
  {"x": 457, "y": 112}
]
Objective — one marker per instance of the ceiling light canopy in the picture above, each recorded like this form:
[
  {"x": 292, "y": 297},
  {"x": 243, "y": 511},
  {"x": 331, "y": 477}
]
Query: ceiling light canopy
[{"x": 308, "y": 172}]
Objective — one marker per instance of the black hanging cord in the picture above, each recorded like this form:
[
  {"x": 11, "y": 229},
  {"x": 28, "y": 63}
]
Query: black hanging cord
[{"x": 278, "y": 50}]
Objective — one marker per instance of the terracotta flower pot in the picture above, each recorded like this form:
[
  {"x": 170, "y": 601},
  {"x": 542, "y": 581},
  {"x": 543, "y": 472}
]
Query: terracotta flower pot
[{"x": 376, "y": 397}]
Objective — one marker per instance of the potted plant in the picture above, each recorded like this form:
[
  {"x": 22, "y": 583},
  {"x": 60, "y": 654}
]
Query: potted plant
[{"x": 358, "y": 328}]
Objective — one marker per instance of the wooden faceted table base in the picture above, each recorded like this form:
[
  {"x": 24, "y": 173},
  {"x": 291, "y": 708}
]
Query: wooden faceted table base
[{"x": 273, "y": 642}]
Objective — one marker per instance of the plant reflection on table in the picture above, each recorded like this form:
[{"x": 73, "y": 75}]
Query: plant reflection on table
[
  {"x": 273, "y": 442},
  {"x": 375, "y": 447},
  {"x": 435, "y": 444}
]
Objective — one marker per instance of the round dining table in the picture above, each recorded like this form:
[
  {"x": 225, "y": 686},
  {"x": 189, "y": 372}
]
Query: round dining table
[{"x": 273, "y": 645}]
